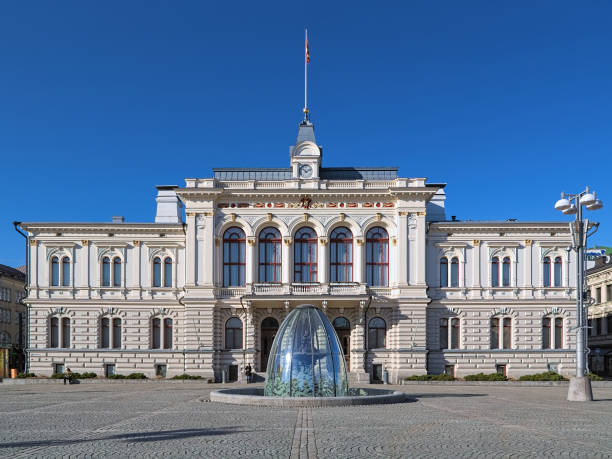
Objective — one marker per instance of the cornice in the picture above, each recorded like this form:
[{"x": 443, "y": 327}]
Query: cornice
[
  {"x": 114, "y": 228},
  {"x": 497, "y": 227}
]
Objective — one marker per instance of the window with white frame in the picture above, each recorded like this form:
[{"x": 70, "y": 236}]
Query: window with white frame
[
  {"x": 501, "y": 332},
  {"x": 59, "y": 332},
  {"x": 60, "y": 271},
  {"x": 552, "y": 332},
  {"x": 5, "y": 294},
  {"x": 449, "y": 272},
  {"x": 111, "y": 271},
  {"x": 449, "y": 332},
  {"x": 501, "y": 271},
  {"x": 110, "y": 333},
  {"x": 552, "y": 268},
  {"x": 162, "y": 271},
  {"x": 161, "y": 333}
]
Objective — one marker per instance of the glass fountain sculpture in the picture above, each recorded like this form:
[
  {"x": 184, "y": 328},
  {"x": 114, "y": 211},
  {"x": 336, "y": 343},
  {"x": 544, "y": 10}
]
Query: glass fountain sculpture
[{"x": 306, "y": 359}]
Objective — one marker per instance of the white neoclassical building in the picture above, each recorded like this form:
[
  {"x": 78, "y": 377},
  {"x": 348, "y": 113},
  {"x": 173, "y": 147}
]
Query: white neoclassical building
[{"x": 203, "y": 288}]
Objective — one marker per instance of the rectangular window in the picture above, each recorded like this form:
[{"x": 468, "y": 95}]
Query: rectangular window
[
  {"x": 506, "y": 272},
  {"x": 65, "y": 272},
  {"x": 160, "y": 370},
  {"x": 546, "y": 333},
  {"x": 156, "y": 323},
  {"x": 559, "y": 333},
  {"x": 455, "y": 272},
  {"x": 507, "y": 343},
  {"x": 116, "y": 333},
  {"x": 558, "y": 269},
  {"x": 105, "y": 333},
  {"x": 500, "y": 369},
  {"x": 598, "y": 295},
  {"x": 443, "y": 333},
  {"x": 598, "y": 322},
  {"x": 609, "y": 323},
  {"x": 117, "y": 272},
  {"x": 495, "y": 333},
  {"x": 377, "y": 373},
  {"x": 54, "y": 341},
  {"x": 449, "y": 370},
  {"x": 109, "y": 369},
  {"x": 65, "y": 332},
  {"x": 609, "y": 294},
  {"x": 167, "y": 272},
  {"x": 167, "y": 333},
  {"x": 454, "y": 333},
  {"x": 591, "y": 332},
  {"x": 58, "y": 368}
]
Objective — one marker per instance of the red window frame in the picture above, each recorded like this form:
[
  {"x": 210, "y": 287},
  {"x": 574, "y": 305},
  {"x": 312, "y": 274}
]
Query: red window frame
[
  {"x": 310, "y": 264},
  {"x": 381, "y": 266},
  {"x": 275, "y": 262},
  {"x": 340, "y": 246},
  {"x": 229, "y": 241}
]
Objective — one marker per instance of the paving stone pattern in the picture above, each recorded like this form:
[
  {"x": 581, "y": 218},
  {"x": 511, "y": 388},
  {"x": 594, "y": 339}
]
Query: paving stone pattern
[{"x": 176, "y": 420}]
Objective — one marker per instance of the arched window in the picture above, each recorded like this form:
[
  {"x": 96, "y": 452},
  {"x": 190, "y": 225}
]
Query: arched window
[
  {"x": 117, "y": 272},
  {"x": 341, "y": 323},
  {"x": 506, "y": 272},
  {"x": 111, "y": 333},
  {"x": 55, "y": 272},
  {"x": 65, "y": 271},
  {"x": 59, "y": 332},
  {"x": 305, "y": 255},
  {"x": 157, "y": 272},
  {"x": 106, "y": 273},
  {"x": 546, "y": 333},
  {"x": 105, "y": 330},
  {"x": 444, "y": 272},
  {"x": 546, "y": 272},
  {"x": 454, "y": 272},
  {"x": 558, "y": 270},
  {"x": 234, "y": 262},
  {"x": 270, "y": 259},
  {"x": 501, "y": 333},
  {"x": 558, "y": 333},
  {"x": 233, "y": 333},
  {"x": 449, "y": 333},
  {"x": 495, "y": 272},
  {"x": 377, "y": 333},
  {"x": 341, "y": 255},
  {"x": 377, "y": 257},
  {"x": 168, "y": 272}
]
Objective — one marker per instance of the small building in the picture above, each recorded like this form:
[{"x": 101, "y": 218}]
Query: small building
[
  {"x": 599, "y": 281},
  {"x": 13, "y": 319}
]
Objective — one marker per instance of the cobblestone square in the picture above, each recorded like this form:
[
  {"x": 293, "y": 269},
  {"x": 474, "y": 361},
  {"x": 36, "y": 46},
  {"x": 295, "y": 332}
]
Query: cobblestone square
[{"x": 177, "y": 420}]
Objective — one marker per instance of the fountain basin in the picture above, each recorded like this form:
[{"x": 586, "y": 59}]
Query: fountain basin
[{"x": 255, "y": 397}]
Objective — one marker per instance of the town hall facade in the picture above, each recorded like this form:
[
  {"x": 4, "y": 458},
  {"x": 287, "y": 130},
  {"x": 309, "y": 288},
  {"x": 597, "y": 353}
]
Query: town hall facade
[{"x": 203, "y": 289}]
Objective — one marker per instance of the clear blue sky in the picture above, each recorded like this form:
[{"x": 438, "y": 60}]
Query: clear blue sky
[{"x": 510, "y": 103}]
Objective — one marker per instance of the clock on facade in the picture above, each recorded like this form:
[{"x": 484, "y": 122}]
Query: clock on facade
[{"x": 305, "y": 171}]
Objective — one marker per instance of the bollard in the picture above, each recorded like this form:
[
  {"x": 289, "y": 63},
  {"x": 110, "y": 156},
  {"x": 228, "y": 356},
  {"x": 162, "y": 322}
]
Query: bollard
[
  {"x": 13, "y": 373},
  {"x": 223, "y": 376},
  {"x": 385, "y": 377}
]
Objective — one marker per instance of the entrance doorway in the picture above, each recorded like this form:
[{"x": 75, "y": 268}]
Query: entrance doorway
[
  {"x": 269, "y": 327},
  {"x": 343, "y": 330}
]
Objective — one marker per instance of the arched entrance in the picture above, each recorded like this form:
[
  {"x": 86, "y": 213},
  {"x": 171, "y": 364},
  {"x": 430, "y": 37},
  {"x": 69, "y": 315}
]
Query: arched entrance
[
  {"x": 269, "y": 327},
  {"x": 343, "y": 329}
]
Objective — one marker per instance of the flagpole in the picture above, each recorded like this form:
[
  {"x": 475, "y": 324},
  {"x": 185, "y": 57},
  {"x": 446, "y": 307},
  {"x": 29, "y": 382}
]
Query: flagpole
[{"x": 306, "y": 76}]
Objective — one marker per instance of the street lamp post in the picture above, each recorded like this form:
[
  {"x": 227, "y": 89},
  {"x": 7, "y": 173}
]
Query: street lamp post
[{"x": 580, "y": 385}]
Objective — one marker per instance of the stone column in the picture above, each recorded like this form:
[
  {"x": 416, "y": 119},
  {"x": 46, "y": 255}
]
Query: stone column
[
  {"x": 420, "y": 248},
  {"x": 476, "y": 263},
  {"x": 251, "y": 261},
  {"x": 403, "y": 254},
  {"x": 190, "y": 249},
  {"x": 287, "y": 254},
  {"x": 211, "y": 247},
  {"x": 322, "y": 262},
  {"x": 359, "y": 260}
]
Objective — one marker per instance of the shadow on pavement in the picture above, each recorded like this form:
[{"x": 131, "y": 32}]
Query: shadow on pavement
[
  {"x": 136, "y": 437},
  {"x": 445, "y": 395}
]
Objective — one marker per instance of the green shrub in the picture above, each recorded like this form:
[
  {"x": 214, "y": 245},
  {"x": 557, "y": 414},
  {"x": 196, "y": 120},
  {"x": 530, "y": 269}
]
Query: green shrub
[
  {"x": 116, "y": 376},
  {"x": 186, "y": 376},
  {"x": 547, "y": 376},
  {"x": 486, "y": 377},
  {"x": 594, "y": 377},
  {"x": 26, "y": 375},
  {"x": 57, "y": 375},
  {"x": 440, "y": 377},
  {"x": 136, "y": 376},
  {"x": 86, "y": 375}
]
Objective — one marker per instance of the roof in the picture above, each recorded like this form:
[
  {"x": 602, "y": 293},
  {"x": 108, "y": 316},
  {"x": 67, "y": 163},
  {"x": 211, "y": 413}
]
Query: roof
[
  {"x": 8, "y": 271},
  {"x": 285, "y": 173}
]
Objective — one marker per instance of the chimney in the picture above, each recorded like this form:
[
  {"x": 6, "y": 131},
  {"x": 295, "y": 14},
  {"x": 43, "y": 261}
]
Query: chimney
[
  {"x": 118, "y": 219},
  {"x": 168, "y": 205}
]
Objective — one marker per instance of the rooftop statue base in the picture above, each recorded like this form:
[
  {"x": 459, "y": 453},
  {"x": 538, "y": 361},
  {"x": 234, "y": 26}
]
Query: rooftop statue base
[{"x": 580, "y": 389}]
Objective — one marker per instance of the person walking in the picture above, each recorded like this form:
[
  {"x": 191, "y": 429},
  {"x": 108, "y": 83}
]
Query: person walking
[
  {"x": 248, "y": 371},
  {"x": 68, "y": 376}
]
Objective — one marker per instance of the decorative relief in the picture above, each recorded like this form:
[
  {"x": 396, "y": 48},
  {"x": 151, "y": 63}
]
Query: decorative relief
[
  {"x": 476, "y": 242},
  {"x": 326, "y": 219},
  {"x": 84, "y": 242},
  {"x": 136, "y": 243},
  {"x": 412, "y": 221},
  {"x": 288, "y": 241},
  {"x": 251, "y": 240},
  {"x": 323, "y": 240},
  {"x": 250, "y": 219},
  {"x": 359, "y": 241},
  {"x": 528, "y": 242},
  {"x": 360, "y": 219},
  {"x": 33, "y": 241},
  {"x": 190, "y": 214},
  {"x": 421, "y": 214}
]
